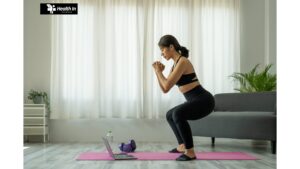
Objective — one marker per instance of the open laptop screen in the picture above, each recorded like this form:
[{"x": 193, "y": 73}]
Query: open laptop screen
[{"x": 108, "y": 146}]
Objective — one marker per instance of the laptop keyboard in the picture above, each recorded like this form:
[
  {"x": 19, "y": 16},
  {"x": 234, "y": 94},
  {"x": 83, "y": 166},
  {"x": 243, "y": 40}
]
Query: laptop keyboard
[{"x": 122, "y": 156}]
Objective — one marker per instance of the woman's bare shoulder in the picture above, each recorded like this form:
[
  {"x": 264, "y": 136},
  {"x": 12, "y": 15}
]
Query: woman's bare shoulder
[
  {"x": 188, "y": 65},
  {"x": 184, "y": 60}
]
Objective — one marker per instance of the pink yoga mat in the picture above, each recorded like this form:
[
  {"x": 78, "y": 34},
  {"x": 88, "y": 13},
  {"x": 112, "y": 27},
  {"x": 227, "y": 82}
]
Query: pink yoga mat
[{"x": 170, "y": 156}]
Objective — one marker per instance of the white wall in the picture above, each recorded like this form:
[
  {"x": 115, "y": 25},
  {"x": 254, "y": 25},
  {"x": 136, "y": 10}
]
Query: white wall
[
  {"x": 258, "y": 33},
  {"x": 36, "y": 47},
  {"x": 272, "y": 35},
  {"x": 37, "y": 72},
  {"x": 123, "y": 130}
]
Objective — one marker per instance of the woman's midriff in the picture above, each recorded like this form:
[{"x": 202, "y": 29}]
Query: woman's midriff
[{"x": 188, "y": 87}]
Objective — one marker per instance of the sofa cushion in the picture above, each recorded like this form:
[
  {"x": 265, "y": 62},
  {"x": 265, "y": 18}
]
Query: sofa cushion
[
  {"x": 258, "y": 101},
  {"x": 244, "y": 125},
  {"x": 246, "y": 114}
]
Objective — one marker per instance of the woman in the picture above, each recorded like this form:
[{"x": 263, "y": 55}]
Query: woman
[{"x": 199, "y": 102}]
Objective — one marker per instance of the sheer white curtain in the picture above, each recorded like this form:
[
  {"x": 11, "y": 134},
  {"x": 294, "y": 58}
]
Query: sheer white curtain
[{"x": 101, "y": 58}]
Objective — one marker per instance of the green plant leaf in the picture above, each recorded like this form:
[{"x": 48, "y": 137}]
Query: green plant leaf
[{"x": 254, "y": 81}]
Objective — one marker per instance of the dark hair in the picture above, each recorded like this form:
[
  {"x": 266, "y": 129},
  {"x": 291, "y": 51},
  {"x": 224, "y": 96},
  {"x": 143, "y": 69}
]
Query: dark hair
[{"x": 168, "y": 40}]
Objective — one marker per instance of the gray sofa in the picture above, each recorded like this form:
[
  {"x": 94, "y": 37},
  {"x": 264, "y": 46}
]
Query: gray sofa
[{"x": 241, "y": 116}]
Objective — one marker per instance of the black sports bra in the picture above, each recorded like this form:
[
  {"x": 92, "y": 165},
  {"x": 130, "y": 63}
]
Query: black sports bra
[{"x": 185, "y": 78}]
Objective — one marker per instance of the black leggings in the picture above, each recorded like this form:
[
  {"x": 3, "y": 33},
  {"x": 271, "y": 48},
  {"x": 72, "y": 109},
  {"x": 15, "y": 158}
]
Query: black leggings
[{"x": 199, "y": 104}]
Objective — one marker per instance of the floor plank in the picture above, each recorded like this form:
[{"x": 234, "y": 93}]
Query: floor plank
[{"x": 63, "y": 155}]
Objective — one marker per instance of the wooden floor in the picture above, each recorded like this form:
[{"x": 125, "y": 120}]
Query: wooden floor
[{"x": 63, "y": 155}]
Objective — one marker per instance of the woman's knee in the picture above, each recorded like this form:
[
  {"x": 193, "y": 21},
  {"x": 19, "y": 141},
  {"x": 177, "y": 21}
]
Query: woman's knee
[{"x": 177, "y": 115}]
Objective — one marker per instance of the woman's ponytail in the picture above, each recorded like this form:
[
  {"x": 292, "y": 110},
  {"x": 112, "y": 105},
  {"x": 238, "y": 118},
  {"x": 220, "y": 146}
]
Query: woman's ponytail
[{"x": 184, "y": 51}]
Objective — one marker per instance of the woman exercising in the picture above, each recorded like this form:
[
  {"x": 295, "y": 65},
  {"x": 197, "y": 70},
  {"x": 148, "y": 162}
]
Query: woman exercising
[{"x": 199, "y": 102}]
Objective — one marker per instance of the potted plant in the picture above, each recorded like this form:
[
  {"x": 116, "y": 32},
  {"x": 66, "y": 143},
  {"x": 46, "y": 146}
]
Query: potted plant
[
  {"x": 39, "y": 97},
  {"x": 255, "y": 81}
]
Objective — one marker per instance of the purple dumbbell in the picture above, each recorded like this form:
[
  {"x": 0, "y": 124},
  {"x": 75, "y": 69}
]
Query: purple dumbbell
[{"x": 130, "y": 147}]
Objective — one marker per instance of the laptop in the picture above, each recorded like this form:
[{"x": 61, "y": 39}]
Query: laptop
[{"x": 119, "y": 156}]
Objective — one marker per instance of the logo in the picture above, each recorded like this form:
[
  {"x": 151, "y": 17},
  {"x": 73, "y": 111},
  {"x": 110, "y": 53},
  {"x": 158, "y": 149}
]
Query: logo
[
  {"x": 51, "y": 8},
  {"x": 58, "y": 8}
]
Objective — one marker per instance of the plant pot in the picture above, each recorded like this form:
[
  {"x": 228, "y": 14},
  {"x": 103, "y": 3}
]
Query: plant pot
[{"x": 38, "y": 100}]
